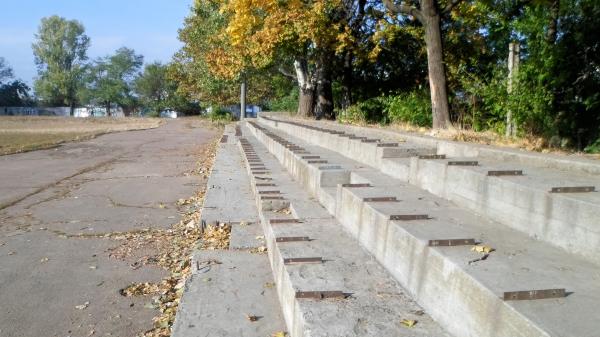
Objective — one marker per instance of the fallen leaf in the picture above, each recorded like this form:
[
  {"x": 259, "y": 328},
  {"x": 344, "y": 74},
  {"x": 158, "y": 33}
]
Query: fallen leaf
[
  {"x": 93, "y": 267},
  {"x": 11, "y": 253},
  {"x": 44, "y": 260},
  {"x": 269, "y": 285},
  {"x": 260, "y": 237},
  {"x": 91, "y": 332},
  {"x": 82, "y": 306},
  {"x": 251, "y": 318},
  {"x": 482, "y": 249},
  {"x": 409, "y": 323},
  {"x": 279, "y": 334},
  {"x": 161, "y": 205}
]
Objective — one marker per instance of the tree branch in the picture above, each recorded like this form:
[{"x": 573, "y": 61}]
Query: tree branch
[
  {"x": 403, "y": 8},
  {"x": 287, "y": 74},
  {"x": 451, "y": 4}
]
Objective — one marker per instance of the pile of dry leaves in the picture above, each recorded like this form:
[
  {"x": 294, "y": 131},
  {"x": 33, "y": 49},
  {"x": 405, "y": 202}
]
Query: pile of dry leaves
[{"x": 174, "y": 246}]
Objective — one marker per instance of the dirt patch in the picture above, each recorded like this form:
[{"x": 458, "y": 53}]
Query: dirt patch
[{"x": 27, "y": 133}]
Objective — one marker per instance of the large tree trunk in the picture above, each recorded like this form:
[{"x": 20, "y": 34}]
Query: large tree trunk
[
  {"x": 324, "y": 90},
  {"x": 306, "y": 88},
  {"x": 435, "y": 64},
  {"x": 108, "y": 109},
  {"x": 72, "y": 109},
  {"x": 347, "y": 81}
]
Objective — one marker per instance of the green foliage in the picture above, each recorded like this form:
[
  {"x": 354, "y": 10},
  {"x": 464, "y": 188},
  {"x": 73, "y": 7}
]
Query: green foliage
[
  {"x": 413, "y": 107},
  {"x": 110, "y": 79},
  {"x": 287, "y": 103},
  {"x": 219, "y": 114},
  {"x": 60, "y": 54},
  {"x": 15, "y": 93},
  {"x": 594, "y": 147}
]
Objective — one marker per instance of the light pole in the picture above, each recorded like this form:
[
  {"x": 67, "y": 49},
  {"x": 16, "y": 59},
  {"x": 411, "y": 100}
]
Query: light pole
[{"x": 243, "y": 98}]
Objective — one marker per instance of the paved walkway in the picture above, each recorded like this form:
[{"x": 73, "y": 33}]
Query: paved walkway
[{"x": 117, "y": 182}]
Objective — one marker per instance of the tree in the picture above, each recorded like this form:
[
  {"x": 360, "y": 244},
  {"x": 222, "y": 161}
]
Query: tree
[
  {"x": 153, "y": 86},
  {"x": 429, "y": 15},
  {"x": 60, "y": 52},
  {"x": 111, "y": 79},
  {"x": 6, "y": 71}
]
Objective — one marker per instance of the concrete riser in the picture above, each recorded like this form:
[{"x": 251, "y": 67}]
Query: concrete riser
[
  {"x": 453, "y": 298},
  {"x": 557, "y": 219}
]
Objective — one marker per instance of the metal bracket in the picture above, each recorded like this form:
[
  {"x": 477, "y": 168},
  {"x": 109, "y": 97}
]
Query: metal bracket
[
  {"x": 279, "y": 221},
  {"x": 269, "y": 197},
  {"x": 356, "y": 185},
  {"x": 292, "y": 239},
  {"x": 370, "y": 140},
  {"x": 505, "y": 173},
  {"x": 311, "y": 157},
  {"x": 573, "y": 189},
  {"x": 332, "y": 167},
  {"x": 302, "y": 260},
  {"x": 317, "y": 161},
  {"x": 451, "y": 242},
  {"x": 380, "y": 199},
  {"x": 265, "y": 184},
  {"x": 320, "y": 295},
  {"x": 269, "y": 192},
  {"x": 534, "y": 294},
  {"x": 463, "y": 163},
  {"x": 408, "y": 217},
  {"x": 387, "y": 145},
  {"x": 432, "y": 156}
]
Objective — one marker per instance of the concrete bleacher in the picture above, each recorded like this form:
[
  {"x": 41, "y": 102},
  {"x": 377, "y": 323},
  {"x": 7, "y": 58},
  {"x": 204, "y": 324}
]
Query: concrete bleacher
[{"x": 400, "y": 197}]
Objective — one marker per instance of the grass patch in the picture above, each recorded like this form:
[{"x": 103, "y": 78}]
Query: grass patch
[{"x": 28, "y": 133}]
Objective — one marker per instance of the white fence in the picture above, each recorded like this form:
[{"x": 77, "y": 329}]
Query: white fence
[{"x": 59, "y": 111}]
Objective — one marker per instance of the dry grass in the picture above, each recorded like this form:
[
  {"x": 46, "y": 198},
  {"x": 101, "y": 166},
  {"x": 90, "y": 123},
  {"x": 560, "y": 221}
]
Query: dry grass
[{"x": 27, "y": 133}]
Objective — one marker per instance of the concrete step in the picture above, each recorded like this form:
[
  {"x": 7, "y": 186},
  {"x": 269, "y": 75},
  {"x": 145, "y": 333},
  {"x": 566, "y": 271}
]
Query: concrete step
[
  {"x": 355, "y": 296},
  {"x": 523, "y": 202},
  {"x": 464, "y": 295},
  {"x": 229, "y": 286}
]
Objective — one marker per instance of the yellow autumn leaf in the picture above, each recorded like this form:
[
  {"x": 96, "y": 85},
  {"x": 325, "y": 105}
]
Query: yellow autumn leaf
[
  {"x": 482, "y": 249},
  {"x": 409, "y": 323},
  {"x": 279, "y": 334}
]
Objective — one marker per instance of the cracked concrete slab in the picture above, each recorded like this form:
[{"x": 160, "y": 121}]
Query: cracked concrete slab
[{"x": 115, "y": 183}]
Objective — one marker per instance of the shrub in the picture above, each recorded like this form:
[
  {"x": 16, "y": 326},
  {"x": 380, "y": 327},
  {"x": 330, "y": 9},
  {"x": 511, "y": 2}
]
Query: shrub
[
  {"x": 413, "y": 107},
  {"x": 288, "y": 103}
]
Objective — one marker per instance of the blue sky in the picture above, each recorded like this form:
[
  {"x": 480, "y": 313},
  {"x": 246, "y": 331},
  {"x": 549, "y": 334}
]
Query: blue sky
[{"x": 147, "y": 26}]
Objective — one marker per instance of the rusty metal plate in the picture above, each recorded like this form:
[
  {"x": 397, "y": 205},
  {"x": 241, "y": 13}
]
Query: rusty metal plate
[
  {"x": 380, "y": 199},
  {"x": 451, "y": 242},
  {"x": 347, "y": 135},
  {"x": 370, "y": 140},
  {"x": 408, "y": 217},
  {"x": 573, "y": 189},
  {"x": 292, "y": 238},
  {"x": 356, "y": 185},
  {"x": 387, "y": 145},
  {"x": 258, "y": 168},
  {"x": 277, "y": 221},
  {"x": 357, "y": 137},
  {"x": 432, "y": 156},
  {"x": 265, "y": 184},
  {"x": 302, "y": 260},
  {"x": 505, "y": 173},
  {"x": 320, "y": 295},
  {"x": 263, "y": 178},
  {"x": 527, "y": 295},
  {"x": 269, "y": 192},
  {"x": 463, "y": 163},
  {"x": 317, "y": 161},
  {"x": 311, "y": 157}
]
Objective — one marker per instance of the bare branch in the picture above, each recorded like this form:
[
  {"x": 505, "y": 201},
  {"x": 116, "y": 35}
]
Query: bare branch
[
  {"x": 287, "y": 74},
  {"x": 403, "y": 8}
]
